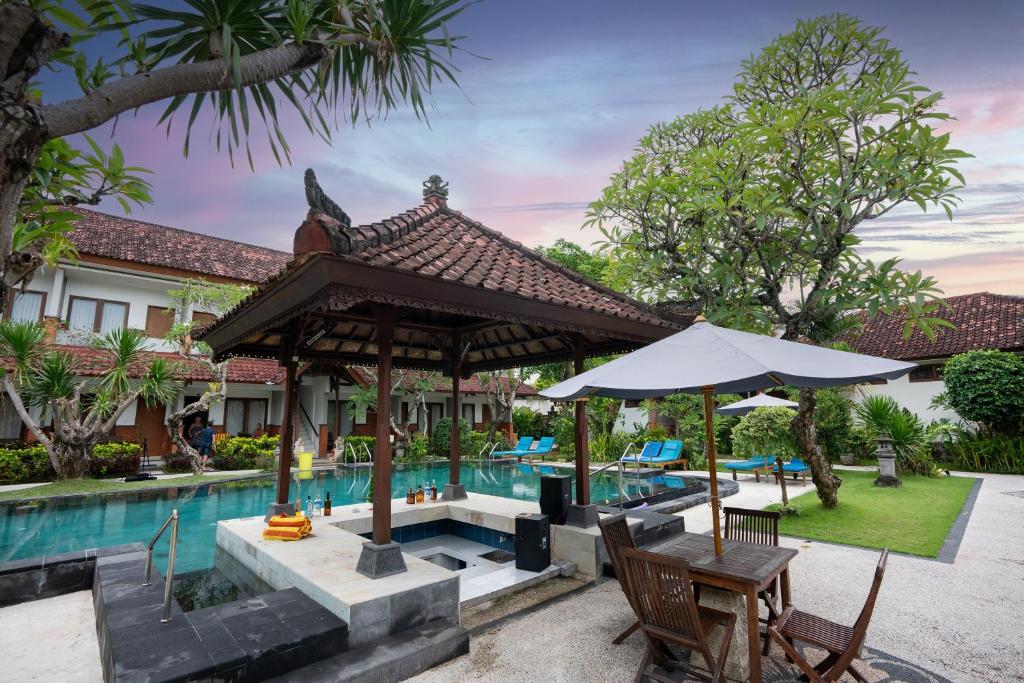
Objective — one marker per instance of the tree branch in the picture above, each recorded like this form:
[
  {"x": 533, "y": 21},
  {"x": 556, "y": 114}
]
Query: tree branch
[{"x": 19, "y": 406}]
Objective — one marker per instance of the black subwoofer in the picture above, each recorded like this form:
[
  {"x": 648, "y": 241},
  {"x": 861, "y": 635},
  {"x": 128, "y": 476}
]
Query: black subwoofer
[
  {"x": 555, "y": 497},
  {"x": 533, "y": 549}
]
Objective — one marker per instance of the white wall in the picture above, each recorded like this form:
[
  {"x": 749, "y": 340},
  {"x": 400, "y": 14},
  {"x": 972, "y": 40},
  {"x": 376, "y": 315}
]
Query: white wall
[
  {"x": 914, "y": 396},
  {"x": 630, "y": 419}
]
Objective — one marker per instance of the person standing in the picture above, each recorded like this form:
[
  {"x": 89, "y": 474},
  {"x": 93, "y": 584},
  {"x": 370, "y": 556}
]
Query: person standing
[
  {"x": 205, "y": 443},
  {"x": 192, "y": 433}
]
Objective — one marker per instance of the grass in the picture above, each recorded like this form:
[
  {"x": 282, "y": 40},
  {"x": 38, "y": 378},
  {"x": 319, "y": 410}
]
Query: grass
[
  {"x": 89, "y": 486},
  {"x": 913, "y": 519}
]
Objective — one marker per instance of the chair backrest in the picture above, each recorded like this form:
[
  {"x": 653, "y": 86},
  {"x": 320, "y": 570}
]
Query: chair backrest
[
  {"x": 615, "y": 532},
  {"x": 650, "y": 450},
  {"x": 546, "y": 442},
  {"x": 860, "y": 627},
  {"x": 524, "y": 443},
  {"x": 752, "y": 526},
  {"x": 671, "y": 448},
  {"x": 663, "y": 597}
]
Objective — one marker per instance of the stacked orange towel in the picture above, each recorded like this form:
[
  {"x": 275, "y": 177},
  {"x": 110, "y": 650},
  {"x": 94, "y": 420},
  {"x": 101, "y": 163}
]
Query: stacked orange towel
[{"x": 287, "y": 528}]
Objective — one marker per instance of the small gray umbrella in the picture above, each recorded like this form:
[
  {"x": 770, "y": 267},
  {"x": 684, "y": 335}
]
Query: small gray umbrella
[
  {"x": 706, "y": 358},
  {"x": 751, "y": 404}
]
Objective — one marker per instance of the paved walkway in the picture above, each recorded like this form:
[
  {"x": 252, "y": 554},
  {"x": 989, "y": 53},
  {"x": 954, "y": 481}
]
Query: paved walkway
[
  {"x": 959, "y": 620},
  {"x": 51, "y": 640}
]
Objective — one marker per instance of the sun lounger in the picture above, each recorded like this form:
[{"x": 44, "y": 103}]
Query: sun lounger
[
  {"x": 796, "y": 467},
  {"x": 670, "y": 453},
  {"x": 650, "y": 450},
  {"x": 757, "y": 462},
  {"x": 521, "y": 447},
  {"x": 544, "y": 446}
]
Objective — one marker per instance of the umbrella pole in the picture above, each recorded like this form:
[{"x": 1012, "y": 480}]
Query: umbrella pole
[{"x": 709, "y": 434}]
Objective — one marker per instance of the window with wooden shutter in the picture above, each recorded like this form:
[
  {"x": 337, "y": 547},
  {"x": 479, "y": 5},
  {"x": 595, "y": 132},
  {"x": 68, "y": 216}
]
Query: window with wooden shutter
[{"x": 158, "y": 322}]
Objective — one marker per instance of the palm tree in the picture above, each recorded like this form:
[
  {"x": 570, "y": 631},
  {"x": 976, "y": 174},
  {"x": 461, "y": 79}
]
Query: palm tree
[{"x": 82, "y": 410}]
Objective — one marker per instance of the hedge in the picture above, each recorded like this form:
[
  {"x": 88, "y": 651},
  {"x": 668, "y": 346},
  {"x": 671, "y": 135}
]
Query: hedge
[
  {"x": 115, "y": 459},
  {"x": 245, "y": 453},
  {"x": 30, "y": 463}
]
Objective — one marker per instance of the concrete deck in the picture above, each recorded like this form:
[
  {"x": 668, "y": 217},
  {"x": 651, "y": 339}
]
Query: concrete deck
[{"x": 51, "y": 640}]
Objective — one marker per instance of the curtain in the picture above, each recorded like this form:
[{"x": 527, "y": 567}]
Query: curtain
[
  {"x": 256, "y": 415},
  {"x": 112, "y": 317},
  {"x": 234, "y": 417},
  {"x": 467, "y": 413},
  {"x": 83, "y": 315},
  {"x": 26, "y": 307}
]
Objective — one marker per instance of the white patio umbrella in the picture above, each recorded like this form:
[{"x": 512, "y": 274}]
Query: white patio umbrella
[
  {"x": 706, "y": 358},
  {"x": 751, "y": 404}
]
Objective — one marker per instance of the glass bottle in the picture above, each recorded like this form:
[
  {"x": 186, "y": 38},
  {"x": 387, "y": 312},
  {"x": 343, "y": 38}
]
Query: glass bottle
[
  {"x": 298, "y": 505},
  {"x": 433, "y": 492},
  {"x": 318, "y": 505},
  {"x": 419, "y": 494},
  {"x": 410, "y": 498},
  {"x": 327, "y": 505},
  {"x": 309, "y": 506}
]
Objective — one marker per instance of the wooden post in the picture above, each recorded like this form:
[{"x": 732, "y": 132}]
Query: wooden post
[
  {"x": 284, "y": 468},
  {"x": 709, "y": 435},
  {"x": 580, "y": 437},
  {"x": 382, "y": 446},
  {"x": 453, "y": 452}
]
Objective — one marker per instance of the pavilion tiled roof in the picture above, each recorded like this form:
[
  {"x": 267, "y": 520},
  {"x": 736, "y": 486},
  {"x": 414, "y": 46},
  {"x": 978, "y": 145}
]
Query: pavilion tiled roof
[
  {"x": 440, "y": 383},
  {"x": 982, "y": 321},
  {"x": 125, "y": 239}
]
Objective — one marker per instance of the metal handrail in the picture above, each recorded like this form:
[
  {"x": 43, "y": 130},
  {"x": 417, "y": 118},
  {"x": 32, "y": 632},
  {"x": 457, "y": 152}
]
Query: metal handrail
[
  {"x": 618, "y": 467},
  {"x": 172, "y": 521},
  {"x": 480, "y": 455}
]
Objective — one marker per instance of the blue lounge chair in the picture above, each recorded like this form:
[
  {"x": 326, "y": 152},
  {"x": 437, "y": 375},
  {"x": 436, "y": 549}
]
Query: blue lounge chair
[
  {"x": 670, "y": 453},
  {"x": 544, "y": 447},
  {"x": 521, "y": 447},
  {"x": 756, "y": 462},
  {"x": 798, "y": 468},
  {"x": 650, "y": 450}
]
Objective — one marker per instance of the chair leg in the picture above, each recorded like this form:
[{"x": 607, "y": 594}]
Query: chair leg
[
  {"x": 718, "y": 675},
  {"x": 644, "y": 663},
  {"x": 627, "y": 633},
  {"x": 793, "y": 656},
  {"x": 856, "y": 674}
]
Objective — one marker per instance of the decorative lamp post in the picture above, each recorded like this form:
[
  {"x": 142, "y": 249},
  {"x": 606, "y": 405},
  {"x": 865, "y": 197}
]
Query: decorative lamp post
[{"x": 886, "y": 462}]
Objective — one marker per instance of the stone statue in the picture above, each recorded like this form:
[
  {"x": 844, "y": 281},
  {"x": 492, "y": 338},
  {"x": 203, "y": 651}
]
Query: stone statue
[
  {"x": 434, "y": 186},
  {"x": 319, "y": 201}
]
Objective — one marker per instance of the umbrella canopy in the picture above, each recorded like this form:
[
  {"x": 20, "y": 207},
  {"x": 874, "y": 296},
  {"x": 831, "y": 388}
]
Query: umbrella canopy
[
  {"x": 753, "y": 403},
  {"x": 705, "y": 355},
  {"x": 706, "y": 358}
]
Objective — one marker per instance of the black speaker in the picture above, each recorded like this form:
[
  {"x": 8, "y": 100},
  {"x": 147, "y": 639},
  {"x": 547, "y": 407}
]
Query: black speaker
[
  {"x": 555, "y": 497},
  {"x": 533, "y": 551}
]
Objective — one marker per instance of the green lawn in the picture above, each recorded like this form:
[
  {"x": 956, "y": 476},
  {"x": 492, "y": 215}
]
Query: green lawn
[
  {"x": 912, "y": 519},
  {"x": 73, "y": 486}
]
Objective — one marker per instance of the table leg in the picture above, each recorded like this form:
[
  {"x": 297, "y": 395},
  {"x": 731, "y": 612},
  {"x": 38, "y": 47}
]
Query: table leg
[
  {"x": 753, "y": 637},
  {"x": 784, "y": 580}
]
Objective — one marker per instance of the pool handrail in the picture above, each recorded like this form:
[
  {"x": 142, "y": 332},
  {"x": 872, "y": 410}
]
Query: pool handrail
[
  {"x": 618, "y": 467},
  {"x": 172, "y": 551}
]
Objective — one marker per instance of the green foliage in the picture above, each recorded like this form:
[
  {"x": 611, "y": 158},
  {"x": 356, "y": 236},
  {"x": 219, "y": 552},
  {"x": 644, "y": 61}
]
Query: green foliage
[
  {"x": 833, "y": 422},
  {"x": 440, "y": 438},
  {"x": 25, "y": 463},
  {"x": 200, "y": 294},
  {"x": 687, "y": 411},
  {"x": 765, "y": 431},
  {"x": 245, "y": 453},
  {"x": 360, "y": 444},
  {"x": 987, "y": 387},
  {"x": 527, "y": 422},
  {"x": 419, "y": 448},
  {"x": 881, "y": 414},
  {"x": 176, "y": 463},
  {"x": 976, "y": 452},
  {"x": 115, "y": 459},
  {"x": 563, "y": 428},
  {"x": 596, "y": 267},
  {"x": 734, "y": 206}
]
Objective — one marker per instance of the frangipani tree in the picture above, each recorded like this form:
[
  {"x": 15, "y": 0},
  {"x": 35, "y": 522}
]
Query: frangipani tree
[
  {"x": 82, "y": 410},
  {"x": 751, "y": 209}
]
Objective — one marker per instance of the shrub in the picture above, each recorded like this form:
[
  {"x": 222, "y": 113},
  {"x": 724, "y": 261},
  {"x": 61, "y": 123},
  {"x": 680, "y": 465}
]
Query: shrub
[
  {"x": 833, "y": 422},
  {"x": 882, "y": 414},
  {"x": 177, "y": 462},
  {"x": 242, "y": 452},
  {"x": 987, "y": 387},
  {"x": 982, "y": 453},
  {"x": 114, "y": 459},
  {"x": 25, "y": 464},
  {"x": 564, "y": 431},
  {"x": 358, "y": 443},
  {"x": 528, "y": 422},
  {"x": 765, "y": 431},
  {"x": 440, "y": 439},
  {"x": 477, "y": 440}
]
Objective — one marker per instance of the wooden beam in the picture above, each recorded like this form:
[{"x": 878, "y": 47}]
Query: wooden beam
[
  {"x": 580, "y": 437},
  {"x": 456, "y": 361},
  {"x": 382, "y": 446}
]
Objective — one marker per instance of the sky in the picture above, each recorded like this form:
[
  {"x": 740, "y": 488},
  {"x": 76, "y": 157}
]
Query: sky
[{"x": 557, "y": 98}]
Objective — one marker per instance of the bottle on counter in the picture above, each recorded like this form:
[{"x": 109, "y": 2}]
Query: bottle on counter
[
  {"x": 298, "y": 505},
  {"x": 419, "y": 494},
  {"x": 318, "y": 505},
  {"x": 309, "y": 506},
  {"x": 327, "y": 505},
  {"x": 433, "y": 491},
  {"x": 410, "y": 498}
]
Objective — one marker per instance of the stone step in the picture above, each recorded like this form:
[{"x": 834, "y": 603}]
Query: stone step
[{"x": 501, "y": 582}]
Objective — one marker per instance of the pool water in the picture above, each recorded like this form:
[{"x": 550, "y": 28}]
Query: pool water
[{"x": 56, "y": 526}]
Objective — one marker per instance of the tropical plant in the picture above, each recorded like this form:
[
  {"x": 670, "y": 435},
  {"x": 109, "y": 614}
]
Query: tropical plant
[
  {"x": 82, "y": 410},
  {"x": 243, "y": 61},
  {"x": 528, "y": 422},
  {"x": 244, "y": 452},
  {"x": 977, "y": 452},
  {"x": 441, "y": 438},
  {"x": 833, "y": 422},
  {"x": 765, "y": 431},
  {"x": 115, "y": 459},
  {"x": 500, "y": 390},
  {"x": 737, "y": 206},
  {"x": 882, "y": 416},
  {"x": 25, "y": 463},
  {"x": 987, "y": 387}
]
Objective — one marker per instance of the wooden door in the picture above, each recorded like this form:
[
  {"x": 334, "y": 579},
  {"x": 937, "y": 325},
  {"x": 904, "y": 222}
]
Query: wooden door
[{"x": 150, "y": 425}]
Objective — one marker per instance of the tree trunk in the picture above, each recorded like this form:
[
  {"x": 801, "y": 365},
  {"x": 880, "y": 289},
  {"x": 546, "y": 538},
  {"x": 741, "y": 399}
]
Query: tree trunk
[
  {"x": 71, "y": 459},
  {"x": 202, "y": 404},
  {"x": 826, "y": 483}
]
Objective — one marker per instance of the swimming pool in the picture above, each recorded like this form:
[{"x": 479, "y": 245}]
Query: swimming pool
[{"x": 63, "y": 525}]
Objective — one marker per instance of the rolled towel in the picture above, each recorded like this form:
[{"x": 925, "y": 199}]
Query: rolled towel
[
  {"x": 282, "y": 534},
  {"x": 289, "y": 521}
]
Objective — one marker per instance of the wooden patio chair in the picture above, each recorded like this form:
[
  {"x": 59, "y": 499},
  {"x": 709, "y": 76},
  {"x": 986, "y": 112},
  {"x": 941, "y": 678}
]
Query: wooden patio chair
[
  {"x": 615, "y": 532},
  {"x": 669, "y": 614},
  {"x": 843, "y": 643},
  {"x": 761, "y": 527}
]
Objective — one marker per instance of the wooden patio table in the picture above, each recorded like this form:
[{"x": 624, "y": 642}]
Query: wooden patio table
[{"x": 742, "y": 568}]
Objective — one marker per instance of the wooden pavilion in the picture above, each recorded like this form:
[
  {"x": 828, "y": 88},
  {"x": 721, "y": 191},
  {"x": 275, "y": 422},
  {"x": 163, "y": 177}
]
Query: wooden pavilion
[{"x": 427, "y": 289}]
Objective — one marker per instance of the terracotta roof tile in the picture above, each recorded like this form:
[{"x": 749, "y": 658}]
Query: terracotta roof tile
[
  {"x": 983, "y": 321},
  {"x": 101, "y": 234}
]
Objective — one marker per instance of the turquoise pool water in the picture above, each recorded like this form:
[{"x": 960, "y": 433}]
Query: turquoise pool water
[{"x": 95, "y": 521}]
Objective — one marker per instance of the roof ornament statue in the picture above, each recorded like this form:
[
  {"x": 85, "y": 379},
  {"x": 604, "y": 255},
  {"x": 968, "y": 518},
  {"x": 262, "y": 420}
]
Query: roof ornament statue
[
  {"x": 319, "y": 201},
  {"x": 434, "y": 186}
]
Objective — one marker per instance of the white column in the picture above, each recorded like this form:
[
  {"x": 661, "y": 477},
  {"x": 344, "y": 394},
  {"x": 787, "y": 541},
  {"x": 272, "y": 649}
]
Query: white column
[{"x": 56, "y": 298}]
